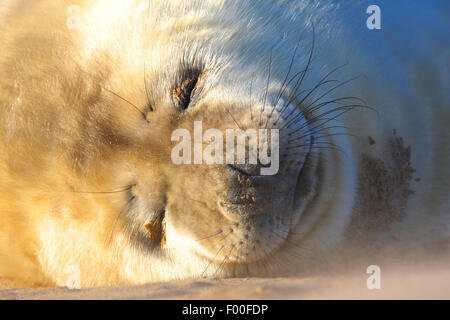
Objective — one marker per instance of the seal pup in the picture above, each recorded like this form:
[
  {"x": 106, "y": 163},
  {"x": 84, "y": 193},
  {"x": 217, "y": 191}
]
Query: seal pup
[{"x": 92, "y": 94}]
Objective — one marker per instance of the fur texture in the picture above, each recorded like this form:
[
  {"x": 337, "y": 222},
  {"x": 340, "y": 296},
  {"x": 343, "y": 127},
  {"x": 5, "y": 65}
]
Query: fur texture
[{"x": 87, "y": 112}]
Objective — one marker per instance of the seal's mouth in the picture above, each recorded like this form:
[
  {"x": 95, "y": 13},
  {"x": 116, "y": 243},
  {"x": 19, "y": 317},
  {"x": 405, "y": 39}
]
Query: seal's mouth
[
  {"x": 249, "y": 196},
  {"x": 284, "y": 194}
]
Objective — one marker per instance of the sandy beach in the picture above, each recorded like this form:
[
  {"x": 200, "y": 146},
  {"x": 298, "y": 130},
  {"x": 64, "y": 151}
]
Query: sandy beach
[{"x": 425, "y": 282}]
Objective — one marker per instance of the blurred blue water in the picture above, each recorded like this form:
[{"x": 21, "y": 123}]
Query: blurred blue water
[{"x": 412, "y": 31}]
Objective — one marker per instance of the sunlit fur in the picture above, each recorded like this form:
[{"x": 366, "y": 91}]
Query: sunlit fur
[{"x": 81, "y": 170}]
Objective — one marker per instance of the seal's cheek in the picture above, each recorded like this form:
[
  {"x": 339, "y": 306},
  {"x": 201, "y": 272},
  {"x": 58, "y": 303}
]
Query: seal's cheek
[
  {"x": 192, "y": 200},
  {"x": 192, "y": 226},
  {"x": 216, "y": 208}
]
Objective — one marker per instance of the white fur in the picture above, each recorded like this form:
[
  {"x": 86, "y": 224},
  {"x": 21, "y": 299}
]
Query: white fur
[{"x": 240, "y": 36}]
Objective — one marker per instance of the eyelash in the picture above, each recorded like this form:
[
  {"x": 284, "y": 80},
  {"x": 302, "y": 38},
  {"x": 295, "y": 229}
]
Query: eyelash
[{"x": 185, "y": 91}]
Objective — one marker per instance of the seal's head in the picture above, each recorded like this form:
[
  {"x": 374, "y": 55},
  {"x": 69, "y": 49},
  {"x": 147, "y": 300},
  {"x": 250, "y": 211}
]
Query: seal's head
[
  {"x": 166, "y": 139},
  {"x": 219, "y": 154},
  {"x": 180, "y": 138},
  {"x": 234, "y": 172}
]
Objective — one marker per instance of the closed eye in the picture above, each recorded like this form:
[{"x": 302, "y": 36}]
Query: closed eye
[{"x": 184, "y": 92}]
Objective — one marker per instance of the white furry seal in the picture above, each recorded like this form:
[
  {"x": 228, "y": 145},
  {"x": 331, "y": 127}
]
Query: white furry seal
[{"x": 91, "y": 93}]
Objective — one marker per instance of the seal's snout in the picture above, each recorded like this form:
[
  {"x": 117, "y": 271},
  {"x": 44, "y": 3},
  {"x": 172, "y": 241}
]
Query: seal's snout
[
  {"x": 250, "y": 194},
  {"x": 262, "y": 162},
  {"x": 254, "y": 199}
]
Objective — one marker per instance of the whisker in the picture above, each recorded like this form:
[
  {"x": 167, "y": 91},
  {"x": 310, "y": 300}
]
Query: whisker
[
  {"x": 210, "y": 236},
  {"x": 283, "y": 88},
  {"x": 318, "y": 117},
  {"x": 127, "y": 101},
  {"x": 287, "y": 104},
  {"x": 102, "y": 192},
  {"x": 234, "y": 120},
  {"x": 212, "y": 260},
  {"x": 331, "y": 90},
  {"x": 312, "y": 108},
  {"x": 145, "y": 85},
  {"x": 322, "y": 82},
  {"x": 299, "y": 84},
  {"x": 302, "y": 77},
  {"x": 223, "y": 261},
  {"x": 127, "y": 205}
]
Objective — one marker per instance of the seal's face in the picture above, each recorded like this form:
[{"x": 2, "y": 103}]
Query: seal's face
[
  {"x": 131, "y": 119},
  {"x": 231, "y": 212},
  {"x": 228, "y": 211},
  {"x": 235, "y": 212},
  {"x": 117, "y": 156}
]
